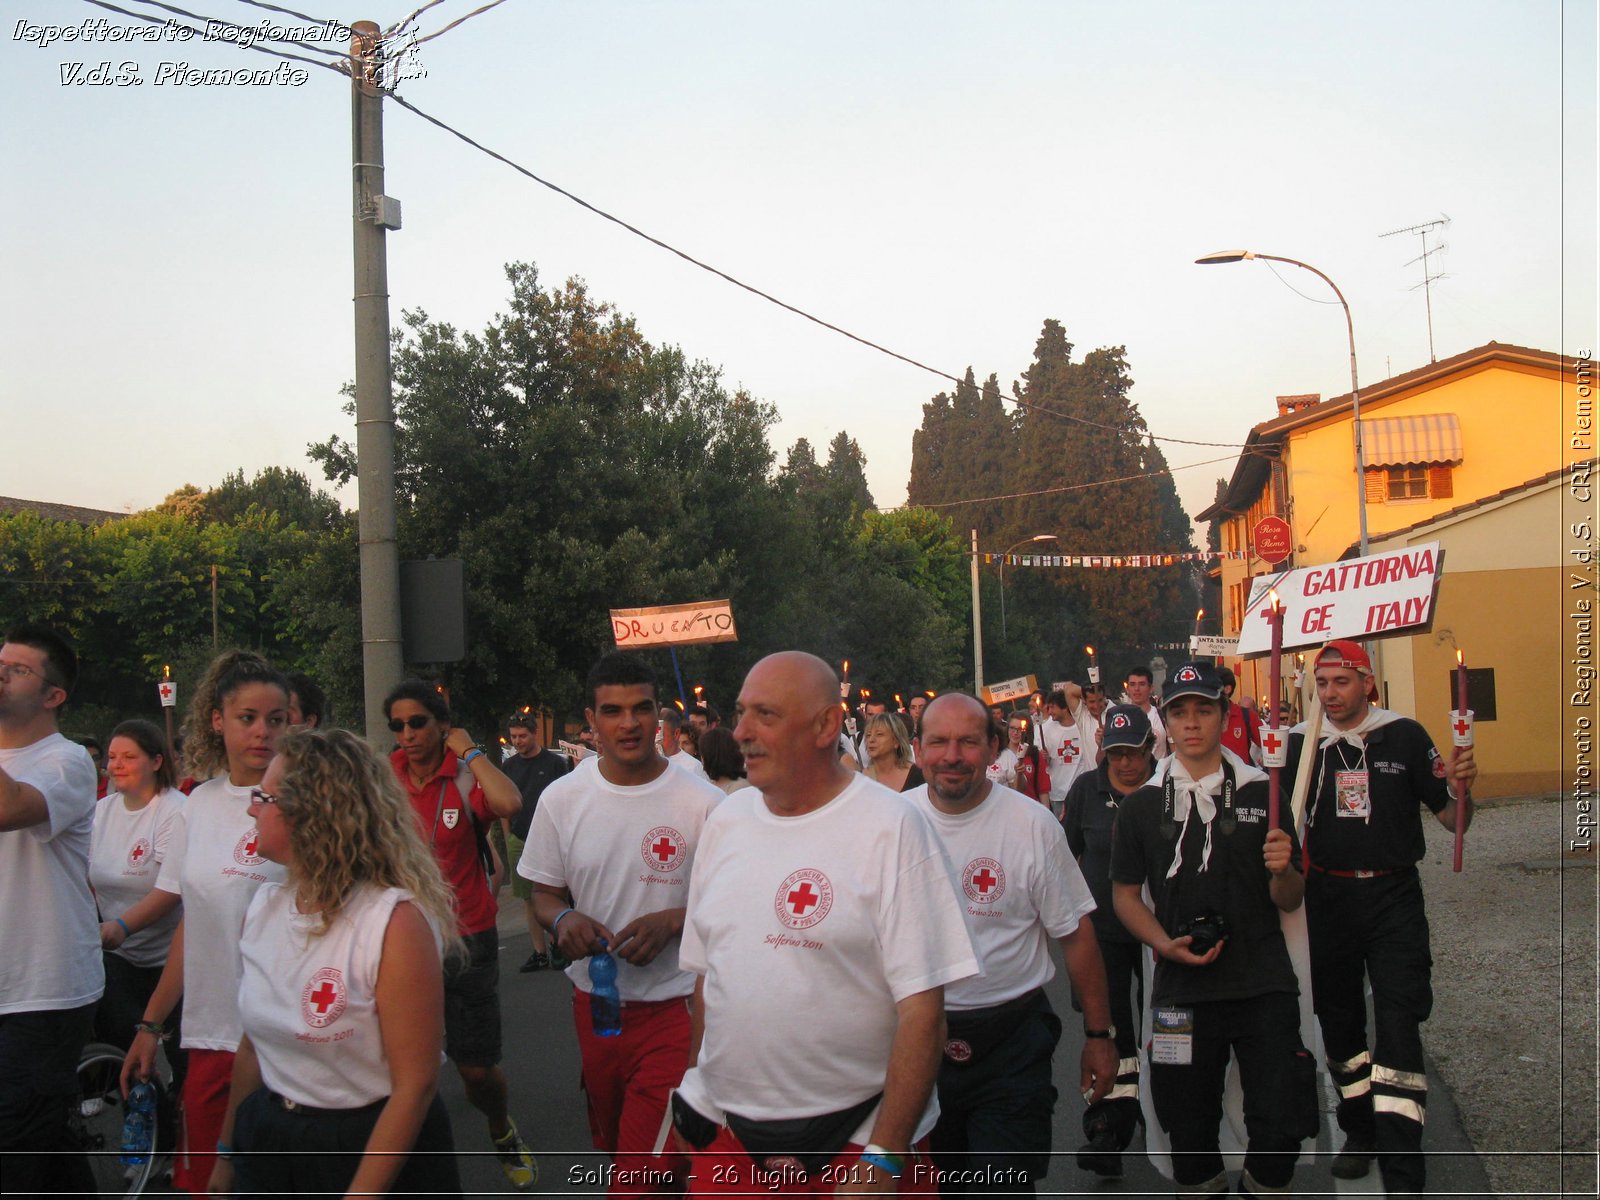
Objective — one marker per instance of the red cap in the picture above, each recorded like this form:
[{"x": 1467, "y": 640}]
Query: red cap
[{"x": 1342, "y": 652}]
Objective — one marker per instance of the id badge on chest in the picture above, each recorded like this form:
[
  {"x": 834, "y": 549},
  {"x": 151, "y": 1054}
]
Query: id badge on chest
[
  {"x": 1172, "y": 1036},
  {"x": 1353, "y": 798}
]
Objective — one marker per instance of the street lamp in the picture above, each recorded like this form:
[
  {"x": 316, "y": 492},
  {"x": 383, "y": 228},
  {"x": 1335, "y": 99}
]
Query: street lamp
[
  {"x": 1233, "y": 256},
  {"x": 1038, "y": 537}
]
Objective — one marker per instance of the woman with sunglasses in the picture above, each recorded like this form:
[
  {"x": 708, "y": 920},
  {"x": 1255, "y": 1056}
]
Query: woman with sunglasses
[
  {"x": 1091, "y": 813},
  {"x": 456, "y": 793},
  {"x": 342, "y": 994},
  {"x": 240, "y": 710}
]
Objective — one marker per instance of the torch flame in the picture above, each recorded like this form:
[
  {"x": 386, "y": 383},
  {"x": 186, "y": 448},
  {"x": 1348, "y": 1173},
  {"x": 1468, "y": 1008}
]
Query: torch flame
[
  {"x": 847, "y": 666},
  {"x": 1459, "y": 659},
  {"x": 679, "y": 703},
  {"x": 897, "y": 697},
  {"x": 1272, "y": 594},
  {"x": 166, "y": 671},
  {"x": 1090, "y": 649},
  {"x": 1200, "y": 614}
]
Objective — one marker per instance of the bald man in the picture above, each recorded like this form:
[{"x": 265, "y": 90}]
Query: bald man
[
  {"x": 1021, "y": 887},
  {"x": 823, "y": 924}
]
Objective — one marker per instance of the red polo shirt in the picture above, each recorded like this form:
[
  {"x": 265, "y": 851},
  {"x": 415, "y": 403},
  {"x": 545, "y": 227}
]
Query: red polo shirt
[{"x": 446, "y": 826}]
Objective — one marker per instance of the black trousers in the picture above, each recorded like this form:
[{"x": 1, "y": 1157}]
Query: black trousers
[
  {"x": 1374, "y": 929},
  {"x": 1119, "y": 1111},
  {"x": 993, "y": 1134},
  {"x": 281, "y": 1153},
  {"x": 39, "y": 1054},
  {"x": 1263, "y": 1033}
]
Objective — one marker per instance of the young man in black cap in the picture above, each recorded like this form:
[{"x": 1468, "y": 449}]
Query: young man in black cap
[
  {"x": 1197, "y": 835},
  {"x": 1364, "y": 913},
  {"x": 1091, "y": 814}
]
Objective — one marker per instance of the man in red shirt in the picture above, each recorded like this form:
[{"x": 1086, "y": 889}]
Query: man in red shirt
[
  {"x": 457, "y": 792},
  {"x": 1241, "y": 727}
]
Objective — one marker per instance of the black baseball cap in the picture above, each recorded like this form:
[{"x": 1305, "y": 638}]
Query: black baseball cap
[
  {"x": 1192, "y": 679},
  {"x": 1126, "y": 725}
]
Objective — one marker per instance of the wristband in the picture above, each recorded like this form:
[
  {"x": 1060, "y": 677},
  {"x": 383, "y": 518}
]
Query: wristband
[
  {"x": 893, "y": 1165},
  {"x": 224, "y": 1150},
  {"x": 472, "y": 753},
  {"x": 563, "y": 913},
  {"x": 1109, "y": 1032},
  {"x": 154, "y": 1029},
  {"x": 126, "y": 932}
]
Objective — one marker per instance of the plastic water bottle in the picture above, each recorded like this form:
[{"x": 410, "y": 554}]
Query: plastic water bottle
[
  {"x": 139, "y": 1124},
  {"x": 605, "y": 1002}
]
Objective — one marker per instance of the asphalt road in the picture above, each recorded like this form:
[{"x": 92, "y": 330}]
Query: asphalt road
[{"x": 541, "y": 1063}]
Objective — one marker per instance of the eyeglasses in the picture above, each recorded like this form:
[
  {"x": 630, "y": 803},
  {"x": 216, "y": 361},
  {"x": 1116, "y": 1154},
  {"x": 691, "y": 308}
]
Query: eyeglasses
[
  {"x": 20, "y": 671},
  {"x": 257, "y": 796},
  {"x": 419, "y": 721}
]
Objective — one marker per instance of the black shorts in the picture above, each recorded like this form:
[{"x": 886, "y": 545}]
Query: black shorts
[{"x": 472, "y": 1002}]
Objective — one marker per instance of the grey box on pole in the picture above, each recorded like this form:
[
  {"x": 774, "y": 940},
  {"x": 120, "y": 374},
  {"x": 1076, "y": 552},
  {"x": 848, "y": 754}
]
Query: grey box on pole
[{"x": 433, "y": 610}]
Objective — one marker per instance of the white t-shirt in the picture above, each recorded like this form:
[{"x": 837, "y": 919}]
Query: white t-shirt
[
  {"x": 1068, "y": 750},
  {"x": 1160, "y": 729},
  {"x": 622, "y": 852},
  {"x": 808, "y": 931},
  {"x": 1003, "y": 770},
  {"x": 688, "y": 762},
  {"x": 125, "y": 858},
  {"x": 309, "y": 1000},
  {"x": 1020, "y": 887},
  {"x": 214, "y": 865},
  {"x": 49, "y": 937}
]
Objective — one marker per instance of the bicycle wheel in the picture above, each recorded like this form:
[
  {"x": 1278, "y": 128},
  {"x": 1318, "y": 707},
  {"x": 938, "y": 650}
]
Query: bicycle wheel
[{"x": 99, "y": 1117}]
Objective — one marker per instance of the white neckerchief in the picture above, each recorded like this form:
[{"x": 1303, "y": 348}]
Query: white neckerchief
[
  {"x": 1190, "y": 796},
  {"x": 1376, "y": 718}
]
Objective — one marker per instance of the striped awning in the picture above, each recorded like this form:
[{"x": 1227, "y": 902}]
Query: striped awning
[{"x": 1398, "y": 441}]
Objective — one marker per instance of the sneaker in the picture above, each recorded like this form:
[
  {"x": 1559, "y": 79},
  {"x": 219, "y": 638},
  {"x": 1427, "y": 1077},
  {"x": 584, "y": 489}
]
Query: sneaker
[
  {"x": 536, "y": 962},
  {"x": 516, "y": 1160},
  {"x": 1101, "y": 1156},
  {"x": 1355, "y": 1160}
]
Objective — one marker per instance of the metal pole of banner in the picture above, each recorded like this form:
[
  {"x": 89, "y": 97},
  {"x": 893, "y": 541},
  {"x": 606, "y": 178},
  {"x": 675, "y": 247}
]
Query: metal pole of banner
[
  {"x": 673, "y": 650},
  {"x": 977, "y": 625}
]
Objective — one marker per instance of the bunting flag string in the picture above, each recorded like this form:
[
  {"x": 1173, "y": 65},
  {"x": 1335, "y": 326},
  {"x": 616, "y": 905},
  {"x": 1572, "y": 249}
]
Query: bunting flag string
[{"x": 1111, "y": 561}]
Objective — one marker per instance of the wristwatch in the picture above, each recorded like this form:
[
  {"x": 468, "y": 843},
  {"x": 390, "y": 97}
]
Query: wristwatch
[{"x": 1109, "y": 1031}]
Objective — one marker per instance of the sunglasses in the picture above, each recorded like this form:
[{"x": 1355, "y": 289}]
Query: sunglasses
[
  {"x": 257, "y": 796},
  {"x": 417, "y": 722}
]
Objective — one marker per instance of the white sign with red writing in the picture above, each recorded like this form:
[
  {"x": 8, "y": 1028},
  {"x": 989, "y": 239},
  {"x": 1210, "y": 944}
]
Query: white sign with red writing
[
  {"x": 673, "y": 625},
  {"x": 1377, "y": 596}
]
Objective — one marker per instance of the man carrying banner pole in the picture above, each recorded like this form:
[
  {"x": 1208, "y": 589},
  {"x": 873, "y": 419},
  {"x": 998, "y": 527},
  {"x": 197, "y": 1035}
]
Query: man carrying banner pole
[{"x": 1372, "y": 771}]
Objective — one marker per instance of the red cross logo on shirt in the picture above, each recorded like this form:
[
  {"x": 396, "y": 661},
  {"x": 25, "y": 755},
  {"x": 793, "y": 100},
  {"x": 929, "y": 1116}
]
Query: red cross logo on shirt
[
  {"x": 323, "y": 999},
  {"x": 1069, "y": 752},
  {"x": 246, "y": 851},
  {"x": 140, "y": 852},
  {"x": 804, "y": 898},
  {"x": 983, "y": 880},
  {"x": 801, "y": 899},
  {"x": 664, "y": 849}
]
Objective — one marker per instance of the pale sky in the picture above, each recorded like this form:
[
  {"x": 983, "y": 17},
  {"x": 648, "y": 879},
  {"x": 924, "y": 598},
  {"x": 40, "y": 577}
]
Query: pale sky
[{"x": 938, "y": 177}]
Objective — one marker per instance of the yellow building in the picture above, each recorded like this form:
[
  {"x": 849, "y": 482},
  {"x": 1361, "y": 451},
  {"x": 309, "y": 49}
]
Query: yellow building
[{"x": 1468, "y": 451}]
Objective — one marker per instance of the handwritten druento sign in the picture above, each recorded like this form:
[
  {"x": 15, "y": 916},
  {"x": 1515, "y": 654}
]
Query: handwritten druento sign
[
  {"x": 1010, "y": 689},
  {"x": 1376, "y": 596},
  {"x": 673, "y": 625}
]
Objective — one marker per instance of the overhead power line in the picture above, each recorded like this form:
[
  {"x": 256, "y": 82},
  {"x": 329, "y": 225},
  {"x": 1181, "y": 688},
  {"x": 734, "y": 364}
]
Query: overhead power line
[
  {"x": 1071, "y": 487},
  {"x": 183, "y": 12},
  {"x": 767, "y": 296},
  {"x": 458, "y": 21},
  {"x": 339, "y": 68}
]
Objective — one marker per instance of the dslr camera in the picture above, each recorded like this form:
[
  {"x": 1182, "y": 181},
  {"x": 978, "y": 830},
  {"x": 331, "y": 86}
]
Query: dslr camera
[{"x": 1207, "y": 929}]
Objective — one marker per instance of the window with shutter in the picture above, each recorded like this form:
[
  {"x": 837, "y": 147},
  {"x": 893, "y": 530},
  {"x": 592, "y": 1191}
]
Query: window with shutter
[
  {"x": 1407, "y": 482},
  {"x": 1377, "y": 485},
  {"x": 1441, "y": 484}
]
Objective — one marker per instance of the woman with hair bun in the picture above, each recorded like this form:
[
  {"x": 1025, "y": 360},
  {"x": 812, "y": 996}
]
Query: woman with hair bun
[
  {"x": 240, "y": 710},
  {"x": 342, "y": 996}
]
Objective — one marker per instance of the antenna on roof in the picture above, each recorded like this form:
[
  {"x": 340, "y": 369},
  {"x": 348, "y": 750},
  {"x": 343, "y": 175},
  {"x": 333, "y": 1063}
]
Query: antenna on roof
[{"x": 1427, "y": 279}]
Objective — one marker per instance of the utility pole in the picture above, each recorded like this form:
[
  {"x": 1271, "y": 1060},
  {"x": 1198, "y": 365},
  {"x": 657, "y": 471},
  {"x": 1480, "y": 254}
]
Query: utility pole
[
  {"x": 977, "y": 625},
  {"x": 372, "y": 215}
]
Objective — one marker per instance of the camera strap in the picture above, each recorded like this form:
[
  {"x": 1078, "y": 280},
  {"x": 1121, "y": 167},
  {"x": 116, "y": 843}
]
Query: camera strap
[{"x": 1223, "y": 816}]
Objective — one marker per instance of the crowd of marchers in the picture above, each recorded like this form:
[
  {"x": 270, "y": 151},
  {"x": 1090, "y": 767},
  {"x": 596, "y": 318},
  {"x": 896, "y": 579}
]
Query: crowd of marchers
[{"x": 291, "y": 932}]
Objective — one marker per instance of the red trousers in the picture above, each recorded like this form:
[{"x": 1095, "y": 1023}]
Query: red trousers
[
  {"x": 205, "y": 1104},
  {"x": 627, "y": 1080}
]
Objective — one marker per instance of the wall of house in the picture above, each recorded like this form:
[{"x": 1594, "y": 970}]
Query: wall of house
[{"x": 1511, "y": 431}]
